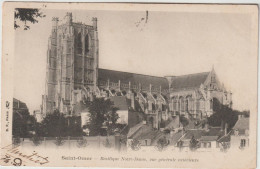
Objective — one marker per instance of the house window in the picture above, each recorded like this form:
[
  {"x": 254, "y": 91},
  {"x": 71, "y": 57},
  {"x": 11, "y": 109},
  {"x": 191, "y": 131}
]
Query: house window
[
  {"x": 243, "y": 143},
  {"x": 205, "y": 145},
  {"x": 146, "y": 142},
  {"x": 209, "y": 145}
]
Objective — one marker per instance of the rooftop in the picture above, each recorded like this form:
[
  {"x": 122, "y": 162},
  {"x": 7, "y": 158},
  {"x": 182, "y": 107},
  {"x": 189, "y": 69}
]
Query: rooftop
[
  {"x": 135, "y": 79},
  {"x": 188, "y": 81}
]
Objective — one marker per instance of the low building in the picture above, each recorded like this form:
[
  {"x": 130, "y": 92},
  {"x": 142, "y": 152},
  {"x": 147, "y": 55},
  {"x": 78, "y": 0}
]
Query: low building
[
  {"x": 240, "y": 133},
  {"x": 38, "y": 115},
  {"x": 207, "y": 138}
]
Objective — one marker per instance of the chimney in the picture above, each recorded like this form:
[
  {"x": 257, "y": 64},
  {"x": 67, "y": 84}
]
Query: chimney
[
  {"x": 206, "y": 127},
  {"x": 119, "y": 85},
  {"x": 133, "y": 100},
  {"x": 240, "y": 116},
  {"x": 226, "y": 127},
  {"x": 222, "y": 125},
  {"x": 94, "y": 20}
]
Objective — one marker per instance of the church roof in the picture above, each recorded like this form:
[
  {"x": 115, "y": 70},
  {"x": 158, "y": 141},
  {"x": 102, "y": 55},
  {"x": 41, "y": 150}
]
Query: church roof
[
  {"x": 135, "y": 79},
  {"x": 188, "y": 81}
]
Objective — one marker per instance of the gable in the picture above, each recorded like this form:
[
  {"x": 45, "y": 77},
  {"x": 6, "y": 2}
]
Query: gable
[{"x": 212, "y": 81}]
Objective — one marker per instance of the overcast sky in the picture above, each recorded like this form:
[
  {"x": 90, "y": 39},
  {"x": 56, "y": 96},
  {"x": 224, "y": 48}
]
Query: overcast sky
[{"x": 170, "y": 43}]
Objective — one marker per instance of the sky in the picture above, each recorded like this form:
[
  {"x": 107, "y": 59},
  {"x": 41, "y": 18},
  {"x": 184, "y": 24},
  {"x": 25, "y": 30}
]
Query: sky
[{"x": 169, "y": 43}]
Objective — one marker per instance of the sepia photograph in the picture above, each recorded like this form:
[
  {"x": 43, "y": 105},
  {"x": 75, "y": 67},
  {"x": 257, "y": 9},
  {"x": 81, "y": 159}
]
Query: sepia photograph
[{"x": 129, "y": 85}]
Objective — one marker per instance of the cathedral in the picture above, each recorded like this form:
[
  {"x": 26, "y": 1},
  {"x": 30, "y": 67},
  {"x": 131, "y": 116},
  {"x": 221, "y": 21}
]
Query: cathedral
[{"x": 73, "y": 75}]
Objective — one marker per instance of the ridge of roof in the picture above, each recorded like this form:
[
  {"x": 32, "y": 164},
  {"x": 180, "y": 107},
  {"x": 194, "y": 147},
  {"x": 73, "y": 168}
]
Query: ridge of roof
[
  {"x": 191, "y": 74},
  {"x": 189, "y": 81},
  {"x": 133, "y": 73}
]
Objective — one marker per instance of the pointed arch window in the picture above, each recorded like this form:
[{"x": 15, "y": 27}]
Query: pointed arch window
[
  {"x": 79, "y": 44},
  {"x": 87, "y": 44}
]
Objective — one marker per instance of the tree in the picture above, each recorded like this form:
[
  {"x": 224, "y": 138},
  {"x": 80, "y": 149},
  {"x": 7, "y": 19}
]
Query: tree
[
  {"x": 102, "y": 115},
  {"x": 180, "y": 145},
  {"x": 193, "y": 144},
  {"x": 223, "y": 113},
  {"x": 54, "y": 125},
  {"x": 162, "y": 144},
  {"x": 23, "y": 123},
  {"x": 111, "y": 118},
  {"x": 26, "y": 15}
]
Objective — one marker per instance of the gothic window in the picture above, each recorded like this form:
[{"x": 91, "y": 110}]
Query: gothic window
[
  {"x": 202, "y": 104},
  {"x": 211, "y": 104},
  {"x": 150, "y": 107},
  {"x": 182, "y": 104},
  {"x": 186, "y": 104},
  {"x": 170, "y": 106},
  {"x": 198, "y": 105},
  {"x": 79, "y": 44},
  {"x": 178, "y": 105},
  {"x": 87, "y": 43},
  {"x": 175, "y": 106},
  {"x": 189, "y": 103}
]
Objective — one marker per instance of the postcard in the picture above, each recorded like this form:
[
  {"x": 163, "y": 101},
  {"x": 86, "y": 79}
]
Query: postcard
[{"x": 129, "y": 85}]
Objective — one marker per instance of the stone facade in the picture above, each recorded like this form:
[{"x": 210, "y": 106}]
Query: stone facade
[
  {"x": 72, "y": 63},
  {"x": 192, "y": 95},
  {"x": 73, "y": 74}
]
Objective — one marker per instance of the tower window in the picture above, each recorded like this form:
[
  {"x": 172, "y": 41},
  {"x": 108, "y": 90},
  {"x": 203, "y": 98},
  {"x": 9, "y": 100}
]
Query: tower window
[
  {"x": 79, "y": 44},
  {"x": 87, "y": 44}
]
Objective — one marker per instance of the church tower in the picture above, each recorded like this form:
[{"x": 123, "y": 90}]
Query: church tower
[{"x": 72, "y": 64}]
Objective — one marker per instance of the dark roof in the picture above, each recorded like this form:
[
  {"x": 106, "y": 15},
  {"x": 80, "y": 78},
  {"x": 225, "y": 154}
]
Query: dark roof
[
  {"x": 134, "y": 129},
  {"x": 120, "y": 102},
  {"x": 150, "y": 135},
  {"x": 188, "y": 81},
  {"x": 209, "y": 138},
  {"x": 135, "y": 79},
  {"x": 242, "y": 124},
  {"x": 175, "y": 137},
  {"x": 225, "y": 138},
  {"x": 139, "y": 130},
  {"x": 198, "y": 133},
  {"x": 17, "y": 104}
]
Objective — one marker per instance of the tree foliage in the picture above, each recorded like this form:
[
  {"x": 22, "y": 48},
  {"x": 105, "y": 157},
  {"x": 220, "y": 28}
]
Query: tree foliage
[
  {"x": 223, "y": 113},
  {"x": 26, "y": 15},
  {"x": 23, "y": 123},
  {"x": 57, "y": 125},
  {"x": 102, "y": 115},
  {"x": 193, "y": 144}
]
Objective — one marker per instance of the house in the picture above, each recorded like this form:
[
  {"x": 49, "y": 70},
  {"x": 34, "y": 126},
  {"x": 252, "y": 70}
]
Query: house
[
  {"x": 145, "y": 134},
  {"x": 207, "y": 138},
  {"x": 240, "y": 133}
]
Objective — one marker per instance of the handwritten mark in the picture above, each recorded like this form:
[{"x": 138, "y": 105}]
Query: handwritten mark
[
  {"x": 142, "y": 22},
  {"x": 14, "y": 152},
  {"x": 11, "y": 160}
]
